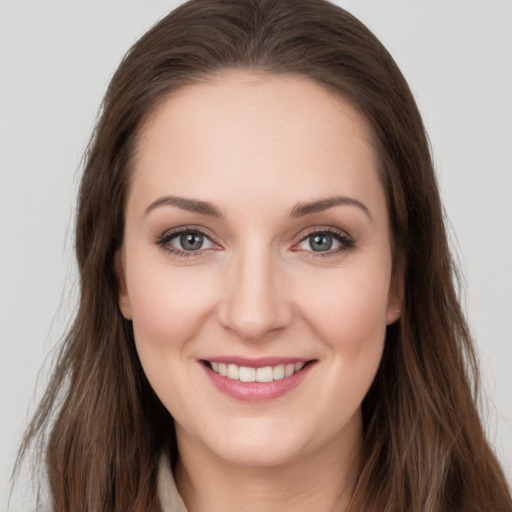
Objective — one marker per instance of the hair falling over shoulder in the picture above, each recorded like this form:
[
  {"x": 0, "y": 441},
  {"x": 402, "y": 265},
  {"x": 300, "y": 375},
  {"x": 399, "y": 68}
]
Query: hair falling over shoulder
[{"x": 100, "y": 429}]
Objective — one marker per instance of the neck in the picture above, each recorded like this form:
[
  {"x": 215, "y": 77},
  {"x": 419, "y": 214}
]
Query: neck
[{"x": 322, "y": 479}]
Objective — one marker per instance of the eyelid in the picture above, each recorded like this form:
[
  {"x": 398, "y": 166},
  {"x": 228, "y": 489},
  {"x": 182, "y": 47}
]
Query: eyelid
[
  {"x": 188, "y": 228},
  {"x": 323, "y": 229}
]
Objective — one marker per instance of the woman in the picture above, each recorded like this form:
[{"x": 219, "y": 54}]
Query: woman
[{"x": 267, "y": 300}]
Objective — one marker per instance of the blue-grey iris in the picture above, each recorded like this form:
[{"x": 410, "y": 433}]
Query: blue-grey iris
[
  {"x": 191, "y": 241},
  {"x": 320, "y": 243}
]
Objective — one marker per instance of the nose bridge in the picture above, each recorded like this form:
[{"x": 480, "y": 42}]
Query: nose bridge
[{"x": 255, "y": 301}]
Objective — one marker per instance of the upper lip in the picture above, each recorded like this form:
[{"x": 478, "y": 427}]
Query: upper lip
[{"x": 256, "y": 362}]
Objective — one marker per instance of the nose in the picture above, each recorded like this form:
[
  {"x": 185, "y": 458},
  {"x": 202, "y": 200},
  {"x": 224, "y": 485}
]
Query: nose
[{"x": 255, "y": 301}]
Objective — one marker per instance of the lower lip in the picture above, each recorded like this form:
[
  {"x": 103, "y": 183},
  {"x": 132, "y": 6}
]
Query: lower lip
[{"x": 257, "y": 391}]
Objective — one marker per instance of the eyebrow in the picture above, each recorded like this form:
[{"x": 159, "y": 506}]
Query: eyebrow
[
  {"x": 191, "y": 205},
  {"x": 303, "y": 209},
  {"x": 299, "y": 210}
]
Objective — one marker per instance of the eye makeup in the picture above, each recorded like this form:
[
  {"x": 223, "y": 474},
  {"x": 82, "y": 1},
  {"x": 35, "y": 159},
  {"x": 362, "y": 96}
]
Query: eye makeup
[
  {"x": 321, "y": 240},
  {"x": 316, "y": 242},
  {"x": 186, "y": 242}
]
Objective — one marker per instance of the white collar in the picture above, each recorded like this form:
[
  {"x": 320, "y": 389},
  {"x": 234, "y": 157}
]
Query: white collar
[{"x": 168, "y": 495}]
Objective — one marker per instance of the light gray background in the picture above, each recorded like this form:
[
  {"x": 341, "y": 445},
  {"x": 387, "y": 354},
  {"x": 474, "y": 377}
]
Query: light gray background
[{"x": 56, "y": 58}]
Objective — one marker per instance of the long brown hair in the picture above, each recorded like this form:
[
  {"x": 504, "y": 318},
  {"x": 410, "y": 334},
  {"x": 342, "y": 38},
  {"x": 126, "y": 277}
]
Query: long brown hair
[{"x": 101, "y": 428}]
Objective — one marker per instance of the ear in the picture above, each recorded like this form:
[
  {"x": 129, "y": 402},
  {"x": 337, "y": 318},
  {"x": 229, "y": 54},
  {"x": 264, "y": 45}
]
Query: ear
[
  {"x": 396, "y": 293},
  {"x": 122, "y": 290}
]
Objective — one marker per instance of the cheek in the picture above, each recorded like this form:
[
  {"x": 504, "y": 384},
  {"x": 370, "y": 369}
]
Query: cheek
[
  {"x": 169, "y": 308},
  {"x": 349, "y": 318},
  {"x": 348, "y": 306},
  {"x": 346, "y": 310},
  {"x": 168, "y": 305}
]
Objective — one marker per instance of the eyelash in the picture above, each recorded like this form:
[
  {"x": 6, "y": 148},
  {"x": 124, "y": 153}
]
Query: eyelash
[
  {"x": 164, "y": 241},
  {"x": 345, "y": 241}
]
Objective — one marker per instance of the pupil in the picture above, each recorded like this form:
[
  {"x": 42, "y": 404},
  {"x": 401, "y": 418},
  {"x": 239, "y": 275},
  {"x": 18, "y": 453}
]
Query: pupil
[
  {"x": 191, "y": 241},
  {"x": 320, "y": 242}
]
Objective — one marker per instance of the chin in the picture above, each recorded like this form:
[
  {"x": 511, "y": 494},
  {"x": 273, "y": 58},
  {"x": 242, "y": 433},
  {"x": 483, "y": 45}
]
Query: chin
[
  {"x": 258, "y": 454},
  {"x": 259, "y": 443}
]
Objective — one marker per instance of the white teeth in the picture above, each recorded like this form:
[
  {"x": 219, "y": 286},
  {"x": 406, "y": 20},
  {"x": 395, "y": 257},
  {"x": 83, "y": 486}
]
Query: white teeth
[
  {"x": 289, "y": 370},
  {"x": 233, "y": 371},
  {"x": 279, "y": 372},
  {"x": 264, "y": 374},
  {"x": 247, "y": 374}
]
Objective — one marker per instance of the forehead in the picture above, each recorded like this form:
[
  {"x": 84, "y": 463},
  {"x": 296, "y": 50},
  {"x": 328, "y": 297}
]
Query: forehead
[{"x": 251, "y": 136}]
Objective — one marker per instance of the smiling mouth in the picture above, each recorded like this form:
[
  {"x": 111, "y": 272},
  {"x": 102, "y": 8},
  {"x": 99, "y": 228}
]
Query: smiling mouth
[{"x": 261, "y": 374}]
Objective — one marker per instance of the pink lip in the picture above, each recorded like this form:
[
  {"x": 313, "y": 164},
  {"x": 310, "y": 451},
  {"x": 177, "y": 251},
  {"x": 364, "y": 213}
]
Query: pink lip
[
  {"x": 257, "y": 391},
  {"x": 256, "y": 362}
]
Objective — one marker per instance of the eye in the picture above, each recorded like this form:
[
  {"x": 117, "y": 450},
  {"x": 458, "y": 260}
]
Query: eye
[
  {"x": 185, "y": 242},
  {"x": 325, "y": 241},
  {"x": 191, "y": 241},
  {"x": 319, "y": 242}
]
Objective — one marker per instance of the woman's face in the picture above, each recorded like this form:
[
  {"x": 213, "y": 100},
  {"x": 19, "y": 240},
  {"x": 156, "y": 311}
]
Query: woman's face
[{"x": 257, "y": 244}]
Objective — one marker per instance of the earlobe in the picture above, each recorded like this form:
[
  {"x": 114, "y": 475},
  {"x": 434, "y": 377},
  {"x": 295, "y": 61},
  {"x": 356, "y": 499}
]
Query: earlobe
[
  {"x": 393, "y": 315},
  {"x": 122, "y": 290}
]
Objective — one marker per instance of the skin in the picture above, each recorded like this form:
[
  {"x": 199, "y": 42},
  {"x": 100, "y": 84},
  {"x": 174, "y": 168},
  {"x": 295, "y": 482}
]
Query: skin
[{"x": 256, "y": 146}]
